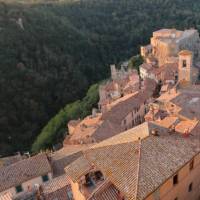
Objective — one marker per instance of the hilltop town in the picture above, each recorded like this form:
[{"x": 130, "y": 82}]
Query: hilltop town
[{"x": 141, "y": 143}]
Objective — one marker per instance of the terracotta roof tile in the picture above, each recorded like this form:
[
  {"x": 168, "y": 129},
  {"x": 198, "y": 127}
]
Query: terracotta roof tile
[
  {"x": 56, "y": 184},
  {"x": 76, "y": 169},
  {"x": 24, "y": 170},
  {"x": 185, "y": 53},
  {"x": 110, "y": 192},
  {"x": 167, "y": 122},
  {"x": 138, "y": 167},
  {"x": 63, "y": 157},
  {"x": 58, "y": 188}
]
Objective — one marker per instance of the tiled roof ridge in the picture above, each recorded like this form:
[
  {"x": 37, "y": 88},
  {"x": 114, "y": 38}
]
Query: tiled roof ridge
[
  {"x": 100, "y": 188},
  {"x": 24, "y": 170},
  {"x": 138, "y": 172},
  {"x": 23, "y": 160},
  {"x": 96, "y": 146},
  {"x": 88, "y": 160},
  {"x": 107, "y": 145}
]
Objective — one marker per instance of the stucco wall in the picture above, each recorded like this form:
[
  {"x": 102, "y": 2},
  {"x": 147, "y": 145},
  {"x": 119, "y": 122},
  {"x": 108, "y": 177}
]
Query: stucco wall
[
  {"x": 132, "y": 117},
  {"x": 168, "y": 191},
  {"x": 25, "y": 185},
  {"x": 76, "y": 192}
]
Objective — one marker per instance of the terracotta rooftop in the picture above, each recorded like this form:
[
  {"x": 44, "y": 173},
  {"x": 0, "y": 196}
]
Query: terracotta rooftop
[
  {"x": 186, "y": 126},
  {"x": 124, "y": 98},
  {"x": 109, "y": 192},
  {"x": 63, "y": 157},
  {"x": 23, "y": 170},
  {"x": 74, "y": 122},
  {"x": 113, "y": 118},
  {"x": 57, "y": 188},
  {"x": 78, "y": 168},
  {"x": 135, "y": 166},
  {"x": 86, "y": 127},
  {"x": 56, "y": 184},
  {"x": 67, "y": 151},
  {"x": 5, "y": 161},
  {"x": 185, "y": 53},
  {"x": 167, "y": 122},
  {"x": 186, "y": 102},
  {"x": 110, "y": 122}
]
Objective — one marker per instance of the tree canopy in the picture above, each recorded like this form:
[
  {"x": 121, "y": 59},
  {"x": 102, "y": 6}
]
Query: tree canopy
[{"x": 53, "y": 132}]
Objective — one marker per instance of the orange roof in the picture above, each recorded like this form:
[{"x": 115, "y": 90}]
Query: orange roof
[
  {"x": 86, "y": 127},
  {"x": 167, "y": 122},
  {"x": 23, "y": 171},
  {"x": 187, "y": 125},
  {"x": 185, "y": 53}
]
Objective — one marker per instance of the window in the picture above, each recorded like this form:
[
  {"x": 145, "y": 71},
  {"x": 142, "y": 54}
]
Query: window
[
  {"x": 133, "y": 123},
  {"x": 98, "y": 175},
  {"x": 191, "y": 164},
  {"x": 175, "y": 179},
  {"x": 69, "y": 195},
  {"x": 190, "y": 187},
  {"x": 19, "y": 188},
  {"x": 45, "y": 178},
  {"x": 184, "y": 63}
]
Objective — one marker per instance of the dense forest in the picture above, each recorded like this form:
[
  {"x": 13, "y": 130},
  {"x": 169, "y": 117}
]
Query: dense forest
[{"x": 52, "y": 51}]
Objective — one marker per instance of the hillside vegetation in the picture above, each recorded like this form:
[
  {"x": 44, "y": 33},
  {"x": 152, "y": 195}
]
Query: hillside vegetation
[
  {"x": 50, "y": 53},
  {"x": 57, "y": 125}
]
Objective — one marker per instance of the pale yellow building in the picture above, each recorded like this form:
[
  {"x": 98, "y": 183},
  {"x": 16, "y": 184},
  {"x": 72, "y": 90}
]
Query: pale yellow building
[
  {"x": 167, "y": 43},
  {"x": 147, "y": 162}
]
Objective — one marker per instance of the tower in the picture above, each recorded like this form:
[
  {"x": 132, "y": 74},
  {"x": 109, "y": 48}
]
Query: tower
[
  {"x": 185, "y": 67},
  {"x": 113, "y": 72}
]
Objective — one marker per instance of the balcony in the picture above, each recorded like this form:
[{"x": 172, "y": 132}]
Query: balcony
[{"x": 91, "y": 182}]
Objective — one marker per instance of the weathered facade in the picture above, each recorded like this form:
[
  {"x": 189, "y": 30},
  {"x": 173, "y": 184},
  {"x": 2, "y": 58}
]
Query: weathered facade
[
  {"x": 167, "y": 43},
  {"x": 147, "y": 162},
  {"x": 24, "y": 176}
]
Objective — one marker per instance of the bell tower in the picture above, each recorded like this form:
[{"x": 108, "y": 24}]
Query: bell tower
[{"x": 185, "y": 67}]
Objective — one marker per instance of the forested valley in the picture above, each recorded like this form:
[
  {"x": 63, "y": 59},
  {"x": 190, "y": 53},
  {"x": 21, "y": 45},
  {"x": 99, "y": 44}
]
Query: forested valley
[{"x": 52, "y": 51}]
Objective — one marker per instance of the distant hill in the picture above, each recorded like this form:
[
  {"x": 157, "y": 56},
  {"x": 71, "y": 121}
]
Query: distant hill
[{"x": 51, "y": 52}]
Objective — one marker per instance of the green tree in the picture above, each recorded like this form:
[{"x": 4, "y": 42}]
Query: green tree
[{"x": 56, "y": 127}]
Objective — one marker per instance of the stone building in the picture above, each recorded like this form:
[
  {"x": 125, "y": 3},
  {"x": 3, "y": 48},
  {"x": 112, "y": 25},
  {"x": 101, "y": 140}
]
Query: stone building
[
  {"x": 179, "y": 71},
  {"x": 57, "y": 189},
  {"x": 24, "y": 176},
  {"x": 127, "y": 113},
  {"x": 123, "y": 82},
  {"x": 147, "y": 162},
  {"x": 167, "y": 43}
]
